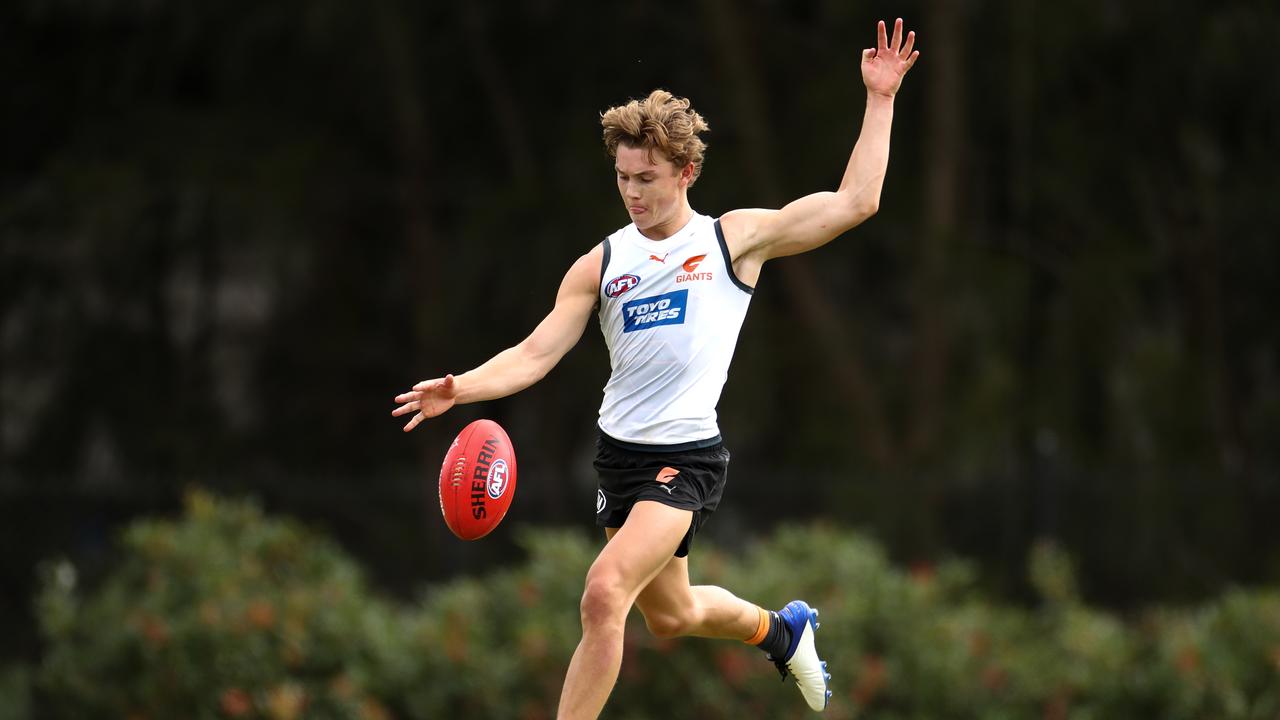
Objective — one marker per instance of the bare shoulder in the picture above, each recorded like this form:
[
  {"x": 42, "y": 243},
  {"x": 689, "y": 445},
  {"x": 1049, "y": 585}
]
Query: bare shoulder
[
  {"x": 741, "y": 229},
  {"x": 743, "y": 232},
  {"x": 592, "y": 259},
  {"x": 584, "y": 275}
]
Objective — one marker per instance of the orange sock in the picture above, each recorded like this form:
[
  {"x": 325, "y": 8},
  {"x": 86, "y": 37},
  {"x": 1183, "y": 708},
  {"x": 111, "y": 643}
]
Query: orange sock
[{"x": 761, "y": 631}]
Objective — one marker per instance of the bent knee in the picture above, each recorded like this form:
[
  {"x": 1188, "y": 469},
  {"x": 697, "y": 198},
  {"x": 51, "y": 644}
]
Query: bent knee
[{"x": 667, "y": 625}]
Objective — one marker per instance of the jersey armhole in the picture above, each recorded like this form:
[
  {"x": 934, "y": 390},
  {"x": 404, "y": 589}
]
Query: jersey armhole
[
  {"x": 604, "y": 267},
  {"x": 604, "y": 262},
  {"x": 728, "y": 261}
]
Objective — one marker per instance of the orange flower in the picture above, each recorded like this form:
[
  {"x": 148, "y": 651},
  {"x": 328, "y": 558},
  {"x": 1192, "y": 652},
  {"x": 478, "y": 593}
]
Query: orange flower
[
  {"x": 923, "y": 573},
  {"x": 533, "y": 644},
  {"x": 529, "y": 593},
  {"x": 371, "y": 709},
  {"x": 285, "y": 702},
  {"x": 994, "y": 678},
  {"x": 261, "y": 614},
  {"x": 235, "y": 702},
  {"x": 155, "y": 630},
  {"x": 979, "y": 644},
  {"x": 455, "y": 643},
  {"x": 342, "y": 687},
  {"x": 1058, "y": 707},
  {"x": 873, "y": 676},
  {"x": 1188, "y": 660},
  {"x": 732, "y": 664},
  {"x": 534, "y": 711}
]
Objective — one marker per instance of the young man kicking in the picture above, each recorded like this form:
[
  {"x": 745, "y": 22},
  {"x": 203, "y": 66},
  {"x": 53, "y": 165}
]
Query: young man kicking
[{"x": 672, "y": 289}]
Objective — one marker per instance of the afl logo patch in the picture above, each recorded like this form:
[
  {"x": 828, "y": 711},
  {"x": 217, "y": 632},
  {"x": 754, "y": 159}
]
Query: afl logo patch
[
  {"x": 621, "y": 284},
  {"x": 497, "y": 483},
  {"x": 599, "y": 501}
]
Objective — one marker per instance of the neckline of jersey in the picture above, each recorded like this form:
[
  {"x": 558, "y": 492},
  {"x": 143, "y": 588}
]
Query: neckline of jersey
[{"x": 674, "y": 239}]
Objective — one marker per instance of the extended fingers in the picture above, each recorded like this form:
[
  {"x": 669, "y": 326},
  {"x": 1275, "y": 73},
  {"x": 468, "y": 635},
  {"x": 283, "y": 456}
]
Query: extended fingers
[
  {"x": 445, "y": 382},
  {"x": 911, "y": 43},
  {"x": 897, "y": 36},
  {"x": 405, "y": 408},
  {"x": 413, "y": 400},
  {"x": 409, "y": 396},
  {"x": 882, "y": 38}
]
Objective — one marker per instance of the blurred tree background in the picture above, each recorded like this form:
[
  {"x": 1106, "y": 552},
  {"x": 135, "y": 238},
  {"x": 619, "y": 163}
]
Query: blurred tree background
[{"x": 232, "y": 232}]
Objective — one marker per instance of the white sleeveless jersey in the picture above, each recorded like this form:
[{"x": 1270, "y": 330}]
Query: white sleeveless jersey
[{"x": 670, "y": 312}]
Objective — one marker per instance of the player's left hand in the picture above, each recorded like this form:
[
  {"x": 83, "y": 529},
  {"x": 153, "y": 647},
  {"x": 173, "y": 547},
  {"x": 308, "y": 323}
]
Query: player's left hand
[{"x": 884, "y": 66}]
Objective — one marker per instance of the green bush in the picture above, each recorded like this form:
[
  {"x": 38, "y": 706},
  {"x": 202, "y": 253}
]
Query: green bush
[
  {"x": 227, "y": 613},
  {"x": 224, "y": 614},
  {"x": 15, "y": 693}
]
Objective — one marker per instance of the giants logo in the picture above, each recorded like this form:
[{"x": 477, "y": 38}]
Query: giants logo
[
  {"x": 621, "y": 284},
  {"x": 665, "y": 309},
  {"x": 690, "y": 266}
]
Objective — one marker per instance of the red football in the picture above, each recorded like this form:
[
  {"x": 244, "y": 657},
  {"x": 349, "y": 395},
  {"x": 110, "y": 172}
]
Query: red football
[{"x": 477, "y": 480}]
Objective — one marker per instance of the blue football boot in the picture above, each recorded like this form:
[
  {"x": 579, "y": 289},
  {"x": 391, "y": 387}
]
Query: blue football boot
[{"x": 802, "y": 660}]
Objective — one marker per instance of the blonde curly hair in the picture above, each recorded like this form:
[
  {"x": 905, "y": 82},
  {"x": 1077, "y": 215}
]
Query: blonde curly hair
[{"x": 661, "y": 121}]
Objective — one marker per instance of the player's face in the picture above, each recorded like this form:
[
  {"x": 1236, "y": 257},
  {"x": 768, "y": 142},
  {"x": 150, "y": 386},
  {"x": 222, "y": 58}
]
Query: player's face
[{"x": 652, "y": 190}]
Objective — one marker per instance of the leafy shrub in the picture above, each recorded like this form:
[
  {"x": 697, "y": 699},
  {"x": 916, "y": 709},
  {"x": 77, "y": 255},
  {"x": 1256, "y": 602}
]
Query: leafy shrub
[
  {"x": 227, "y": 613},
  {"x": 15, "y": 693}
]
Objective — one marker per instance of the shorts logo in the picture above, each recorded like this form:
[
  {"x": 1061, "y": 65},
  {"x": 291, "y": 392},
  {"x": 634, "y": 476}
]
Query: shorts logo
[
  {"x": 621, "y": 284},
  {"x": 497, "y": 483},
  {"x": 665, "y": 476},
  {"x": 599, "y": 501},
  {"x": 665, "y": 309}
]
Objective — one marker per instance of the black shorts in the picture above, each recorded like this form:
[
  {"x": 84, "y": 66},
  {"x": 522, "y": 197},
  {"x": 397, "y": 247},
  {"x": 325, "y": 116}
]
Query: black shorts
[{"x": 685, "y": 479}]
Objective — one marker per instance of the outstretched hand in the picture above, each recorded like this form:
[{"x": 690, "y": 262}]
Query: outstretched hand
[
  {"x": 427, "y": 399},
  {"x": 884, "y": 66}
]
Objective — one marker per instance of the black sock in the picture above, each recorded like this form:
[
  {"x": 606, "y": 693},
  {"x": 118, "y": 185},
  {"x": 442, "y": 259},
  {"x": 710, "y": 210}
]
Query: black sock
[{"x": 777, "y": 639}]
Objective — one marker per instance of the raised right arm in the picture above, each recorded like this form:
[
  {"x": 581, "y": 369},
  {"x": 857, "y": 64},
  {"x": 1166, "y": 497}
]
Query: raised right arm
[{"x": 521, "y": 365}]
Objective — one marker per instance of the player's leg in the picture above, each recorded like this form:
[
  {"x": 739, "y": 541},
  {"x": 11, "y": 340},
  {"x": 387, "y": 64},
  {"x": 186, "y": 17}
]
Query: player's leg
[
  {"x": 674, "y": 608},
  {"x": 634, "y": 555}
]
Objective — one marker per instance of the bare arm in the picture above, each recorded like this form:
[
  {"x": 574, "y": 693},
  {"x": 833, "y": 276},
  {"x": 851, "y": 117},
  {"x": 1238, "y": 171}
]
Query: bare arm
[
  {"x": 756, "y": 235},
  {"x": 522, "y": 365}
]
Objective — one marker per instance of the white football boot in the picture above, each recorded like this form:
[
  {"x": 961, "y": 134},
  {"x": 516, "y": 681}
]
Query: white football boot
[{"x": 802, "y": 660}]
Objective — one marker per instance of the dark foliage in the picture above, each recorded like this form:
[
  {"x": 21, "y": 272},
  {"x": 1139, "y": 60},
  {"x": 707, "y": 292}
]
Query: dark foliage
[{"x": 230, "y": 232}]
